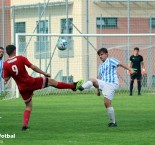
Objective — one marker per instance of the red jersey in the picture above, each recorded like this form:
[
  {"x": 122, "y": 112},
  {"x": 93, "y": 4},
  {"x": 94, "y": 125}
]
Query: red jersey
[{"x": 15, "y": 68}]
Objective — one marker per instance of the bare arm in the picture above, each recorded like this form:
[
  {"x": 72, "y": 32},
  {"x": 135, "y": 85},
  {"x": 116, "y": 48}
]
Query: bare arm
[
  {"x": 130, "y": 64},
  {"x": 38, "y": 70},
  {"x": 143, "y": 69},
  {"x": 127, "y": 68},
  {"x": 142, "y": 65}
]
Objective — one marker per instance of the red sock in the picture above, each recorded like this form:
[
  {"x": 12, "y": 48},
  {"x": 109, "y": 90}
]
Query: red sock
[
  {"x": 26, "y": 117},
  {"x": 62, "y": 85}
]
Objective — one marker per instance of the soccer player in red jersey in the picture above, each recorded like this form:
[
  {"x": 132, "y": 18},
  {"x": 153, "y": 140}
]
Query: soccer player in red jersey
[{"x": 15, "y": 67}]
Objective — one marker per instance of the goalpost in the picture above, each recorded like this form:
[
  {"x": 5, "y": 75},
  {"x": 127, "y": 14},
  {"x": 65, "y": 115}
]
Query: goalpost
[{"x": 77, "y": 62}]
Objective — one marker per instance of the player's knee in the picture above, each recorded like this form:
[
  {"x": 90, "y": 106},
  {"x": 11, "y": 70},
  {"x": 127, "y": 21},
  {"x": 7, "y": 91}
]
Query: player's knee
[
  {"x": 52, "y": 82},
  {"x": 93, "y": 80},
  {"x": 107, "y": 103},
  {"x": 29, "y": 106}
]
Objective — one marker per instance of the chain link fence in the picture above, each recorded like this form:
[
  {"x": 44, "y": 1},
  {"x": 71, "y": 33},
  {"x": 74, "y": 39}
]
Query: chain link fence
[{"x": 79, "y": 17}]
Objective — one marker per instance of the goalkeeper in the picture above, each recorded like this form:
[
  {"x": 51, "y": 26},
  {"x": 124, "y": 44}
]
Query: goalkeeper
[{"x": 136, "y": 63}]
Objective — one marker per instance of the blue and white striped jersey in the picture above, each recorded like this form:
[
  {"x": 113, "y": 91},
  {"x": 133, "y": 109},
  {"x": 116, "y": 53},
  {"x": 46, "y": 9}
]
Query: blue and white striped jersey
[
  {"x": 1, "y": 68},
  {"x": 107, "y": 70}
]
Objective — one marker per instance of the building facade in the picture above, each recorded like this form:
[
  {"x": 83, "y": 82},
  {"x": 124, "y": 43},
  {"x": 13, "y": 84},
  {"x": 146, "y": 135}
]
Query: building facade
[
  {"x": 92, "y": 16},
  {"x": 5, "y": 23}
]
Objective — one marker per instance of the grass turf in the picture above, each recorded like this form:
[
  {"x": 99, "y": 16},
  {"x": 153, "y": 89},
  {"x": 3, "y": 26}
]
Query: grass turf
[{"x": 80, "y": 120}]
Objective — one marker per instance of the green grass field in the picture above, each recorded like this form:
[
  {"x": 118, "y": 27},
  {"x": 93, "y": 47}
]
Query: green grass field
[{"x": 80, "y": 120}]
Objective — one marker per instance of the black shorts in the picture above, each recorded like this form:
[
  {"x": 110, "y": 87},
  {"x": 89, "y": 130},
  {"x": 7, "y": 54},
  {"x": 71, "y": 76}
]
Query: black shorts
[{"x": 137, "y": 76}]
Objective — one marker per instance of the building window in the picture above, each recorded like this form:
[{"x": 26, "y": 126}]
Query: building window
[
  {"x": 42, "y": 27},
  {"x": 63, "y": 26},
  {"x": 42, "y": 43},
  {"x": 21, "y": 28},
  {"x": 69, "y": 52},
  {"x": 106, "y": 22},
  {"x": 152, "y": 22}
]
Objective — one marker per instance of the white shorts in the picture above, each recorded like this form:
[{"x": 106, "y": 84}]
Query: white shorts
[{"x": 108, "y": 89}]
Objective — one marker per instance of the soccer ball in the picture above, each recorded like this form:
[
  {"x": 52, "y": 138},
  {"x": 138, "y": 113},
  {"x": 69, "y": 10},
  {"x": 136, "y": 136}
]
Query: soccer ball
[{"x": 62, "y": 44}]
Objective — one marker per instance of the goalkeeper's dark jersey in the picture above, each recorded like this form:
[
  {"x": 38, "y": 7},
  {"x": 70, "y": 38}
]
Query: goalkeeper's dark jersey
[{"x": 136, "y": 62}]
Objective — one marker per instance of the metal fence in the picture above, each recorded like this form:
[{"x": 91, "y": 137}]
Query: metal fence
[{"x": 77, "y": 17}]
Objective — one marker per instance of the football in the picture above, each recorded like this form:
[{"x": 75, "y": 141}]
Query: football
[{"x": 62, "y": 44}]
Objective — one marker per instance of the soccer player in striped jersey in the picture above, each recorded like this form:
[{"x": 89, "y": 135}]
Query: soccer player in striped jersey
[
  {"x": 15, "y": 67},
  {"x": 107, "y": 81}
]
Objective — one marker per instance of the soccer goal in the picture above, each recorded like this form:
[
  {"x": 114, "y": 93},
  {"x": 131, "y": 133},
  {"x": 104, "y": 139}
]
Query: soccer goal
[{"x": 80, "y": 60}]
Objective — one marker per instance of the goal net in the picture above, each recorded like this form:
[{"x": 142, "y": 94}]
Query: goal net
[{"x": 80, "y": 60}]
